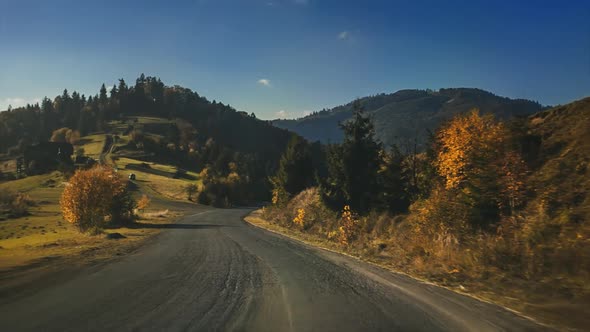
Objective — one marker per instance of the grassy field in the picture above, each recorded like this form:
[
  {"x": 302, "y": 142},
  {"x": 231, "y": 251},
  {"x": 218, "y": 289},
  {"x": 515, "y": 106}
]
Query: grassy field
[
  {"x": 44, "y": 233},
  {"x": 139, "y": 122},
  {"x": 92, "y": 145},
  {"x": 163, "y": 185},
  {"x": 8, "y": 166}
]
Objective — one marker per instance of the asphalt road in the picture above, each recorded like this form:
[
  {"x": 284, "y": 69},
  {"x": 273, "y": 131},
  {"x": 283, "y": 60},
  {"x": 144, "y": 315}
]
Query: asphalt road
[{"x": 211, "y": 271}]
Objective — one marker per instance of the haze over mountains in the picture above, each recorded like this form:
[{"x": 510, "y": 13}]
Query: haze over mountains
[{"x": 407, "y": 114}]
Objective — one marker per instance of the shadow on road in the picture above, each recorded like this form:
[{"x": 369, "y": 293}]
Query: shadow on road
[{"x": 176, "y": 226}]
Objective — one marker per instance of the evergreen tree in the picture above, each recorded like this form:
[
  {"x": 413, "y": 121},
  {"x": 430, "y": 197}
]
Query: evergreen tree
[
  {"x": 114, "y": 91},
  {"x": 354, "y": 165},
  {"x": 123, "y": 89},
  {"x": 394, "y": 194},
  {"x": 296, "y": 171},
  {"x": 103, "y": 94}
]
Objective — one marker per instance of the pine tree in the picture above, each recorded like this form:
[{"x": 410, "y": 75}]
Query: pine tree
[
  {"x": 394, "y": 194},
  {"x": 103, "y": 94},
  {"x": 354, "y": 165},
  {"x": 114, "y": 91},
  {"x": 296, "y": 171}
]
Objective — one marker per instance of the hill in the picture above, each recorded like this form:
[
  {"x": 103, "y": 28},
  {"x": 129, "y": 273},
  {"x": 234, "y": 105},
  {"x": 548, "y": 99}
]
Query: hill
[
  {"x": 560, "y": 176},
  {"x": 178, "y": 127},
  {"x": 407, "y": 114},
  {"x": 533, "y": 257}
]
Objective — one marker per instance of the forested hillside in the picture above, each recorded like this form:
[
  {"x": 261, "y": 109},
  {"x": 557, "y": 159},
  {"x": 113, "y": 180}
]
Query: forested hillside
[
  {"x": 200, "y": 134},
  {"x": 496, "y": 207},
  {"x": 407, "y": 114}
]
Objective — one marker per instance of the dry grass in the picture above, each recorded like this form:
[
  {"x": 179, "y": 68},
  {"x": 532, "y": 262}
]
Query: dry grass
[
  {"x": 44, "y": 233},
  {"x": 155, "y": 214},
  {"x": 122, "y": 162},
  {"x": 152, "y": 120},
  {"x": 8, "y": 166},
  {"x": 93, "y": 145},
  {"x": 42, "y": 242},
  {"x": 257, "y": 218},
  {"x": 162, "y": 185}
]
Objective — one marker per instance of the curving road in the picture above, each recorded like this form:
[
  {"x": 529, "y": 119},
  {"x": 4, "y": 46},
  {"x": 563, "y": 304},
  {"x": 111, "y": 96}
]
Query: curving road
[{"x": 212, "y": 271}]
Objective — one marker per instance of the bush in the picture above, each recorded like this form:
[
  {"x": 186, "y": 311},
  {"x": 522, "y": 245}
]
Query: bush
[
  {"x": 93, "y": 197},
  {"x": 349, "y": 227},
  {"x": 65, "y": 135},
  {"x": 143, "y": 203},
  {"x": 191, "y": 190},
  {"x": 14, "y": 205},
  {"x": 306, "y": 211},
  {"x": 224, "y": 191},
  {"x": 122, "y": 207}
]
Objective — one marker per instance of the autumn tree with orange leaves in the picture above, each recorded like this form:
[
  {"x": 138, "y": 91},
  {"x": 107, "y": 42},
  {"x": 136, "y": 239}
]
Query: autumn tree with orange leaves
[
  {"x": 94, "y": 197},
  {"x": 475, "y": 160}
]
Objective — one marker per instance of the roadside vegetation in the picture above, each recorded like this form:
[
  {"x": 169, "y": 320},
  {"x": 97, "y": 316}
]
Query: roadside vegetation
[
  {"x": 14, "y": 205},
  {"x": 92, "y": 198},
  {"x": 152, "y": 123},
  {"x": 34, "y": 232},
  {"x": 493, "y": 209}
]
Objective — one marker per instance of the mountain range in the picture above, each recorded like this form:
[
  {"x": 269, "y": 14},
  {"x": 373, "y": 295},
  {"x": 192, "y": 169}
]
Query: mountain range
[{"x": 407, "y": 114}]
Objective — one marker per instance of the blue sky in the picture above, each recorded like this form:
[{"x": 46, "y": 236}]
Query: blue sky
[{"x": 288, "y": 57}]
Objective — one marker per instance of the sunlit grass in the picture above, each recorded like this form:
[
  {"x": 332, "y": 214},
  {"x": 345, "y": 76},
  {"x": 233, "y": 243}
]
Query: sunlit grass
[
  {"x": 93, "y": 145},
  {"x": 43, "y": 233},
  {"x": 33, "y": 182},
  {"x": 163, "y": 185},
  {"x": 152, "y": 120}
]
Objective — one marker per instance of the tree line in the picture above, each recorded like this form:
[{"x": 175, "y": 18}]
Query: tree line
[
  {"x": 203, "y": 134},
  {"x": 472, "y": 163}
]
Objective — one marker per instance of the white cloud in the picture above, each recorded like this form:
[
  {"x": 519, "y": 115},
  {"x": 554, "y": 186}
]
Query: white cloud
[
  {"x": 17, "y": 102},
  {"x": 282, "y": 114},
  {"x": 307, "y": 112},
  {"x": 264, "y": 81},
  {"x": 343, "y": 35}
]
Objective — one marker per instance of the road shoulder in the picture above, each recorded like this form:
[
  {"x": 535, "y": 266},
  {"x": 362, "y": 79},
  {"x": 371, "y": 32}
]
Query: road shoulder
[
  {"x": 334, "y": 250},
  {"x": 60, "y": 262}
]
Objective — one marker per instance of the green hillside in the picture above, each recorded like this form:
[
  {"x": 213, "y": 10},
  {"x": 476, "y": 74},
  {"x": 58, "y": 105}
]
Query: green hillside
[{"x": 153, "y": 122}]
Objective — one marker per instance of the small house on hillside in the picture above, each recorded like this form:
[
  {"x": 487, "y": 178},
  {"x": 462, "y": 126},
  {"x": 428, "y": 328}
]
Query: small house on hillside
[{"x": 46, "y": 156}]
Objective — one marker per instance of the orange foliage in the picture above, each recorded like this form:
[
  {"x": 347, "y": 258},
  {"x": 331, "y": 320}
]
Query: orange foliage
[
  {"x": 469, "y": 143},
  {"x": 476, "y": 159},
  {"x": 349, "y": 228},
  {"x": 513, "y": 173},
  {"x": 88, "y": 198},
  {"x": 299, "y": 220},
  {"x": 143, "y": 202}
]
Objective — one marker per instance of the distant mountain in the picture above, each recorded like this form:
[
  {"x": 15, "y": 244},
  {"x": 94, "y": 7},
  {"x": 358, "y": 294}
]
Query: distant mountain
[{"x": 408, "y": 114}]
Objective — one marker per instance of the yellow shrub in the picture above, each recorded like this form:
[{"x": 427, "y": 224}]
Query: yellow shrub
[
  {"x": 92, "y": 196},
  {"x": 349, "y": 228},
  {"x": 299, "y": 220}
]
